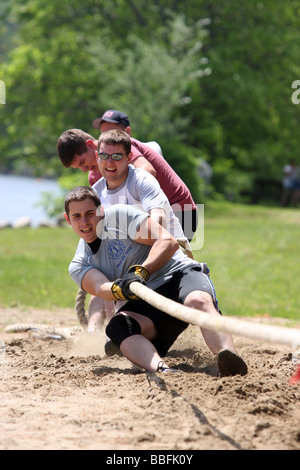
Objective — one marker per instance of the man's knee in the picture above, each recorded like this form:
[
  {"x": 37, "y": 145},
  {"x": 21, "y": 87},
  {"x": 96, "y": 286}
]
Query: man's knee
[
  {"x": 199, "y": 300},
  {"x": 121, "y": 327}
]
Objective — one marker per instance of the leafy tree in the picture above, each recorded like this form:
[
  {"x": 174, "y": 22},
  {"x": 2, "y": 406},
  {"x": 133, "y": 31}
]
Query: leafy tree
[
  {"x": 62, "y": 74},
  {"x": 248, "y": 124},
  {"x": 208, "y": 80}
]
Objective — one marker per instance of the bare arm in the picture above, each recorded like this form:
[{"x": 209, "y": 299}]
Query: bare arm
[
  {"x": 163, "y": 244},
  {"x": 159, "y": 216},
  {"x": 144, "y": 164},
  {"x": 95, "y": 283},
  {"x": 163, "y": 247}
]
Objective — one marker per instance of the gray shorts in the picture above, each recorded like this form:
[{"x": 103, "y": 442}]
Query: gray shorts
[{"x": 182, "y": 283}]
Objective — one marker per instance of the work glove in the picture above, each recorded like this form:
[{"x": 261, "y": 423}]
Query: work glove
[
  {"x": 121, "y": 287},
  {"x": 139, "y": 271}
]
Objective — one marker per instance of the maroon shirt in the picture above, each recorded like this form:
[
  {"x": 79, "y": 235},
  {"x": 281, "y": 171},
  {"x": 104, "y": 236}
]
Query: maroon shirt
[{"x": 174, "y": 188}]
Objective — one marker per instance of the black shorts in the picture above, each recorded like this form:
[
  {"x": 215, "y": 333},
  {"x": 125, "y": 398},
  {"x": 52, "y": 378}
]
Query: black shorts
[{"x": 182, "y": 283}]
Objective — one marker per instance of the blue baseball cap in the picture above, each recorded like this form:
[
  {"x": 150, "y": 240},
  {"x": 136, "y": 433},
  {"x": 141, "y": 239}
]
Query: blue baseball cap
[{"x": 111, "y": 115}]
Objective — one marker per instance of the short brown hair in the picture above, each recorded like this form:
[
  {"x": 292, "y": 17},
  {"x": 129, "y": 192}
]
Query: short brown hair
[
  {"x": 80, "y": 193},
  {"x": 115, "y": 137},
  {"x": 71, "y": 143}
]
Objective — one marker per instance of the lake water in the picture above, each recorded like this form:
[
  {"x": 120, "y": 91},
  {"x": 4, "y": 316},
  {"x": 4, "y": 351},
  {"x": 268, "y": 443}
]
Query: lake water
[{"x": 19, "y": 196}]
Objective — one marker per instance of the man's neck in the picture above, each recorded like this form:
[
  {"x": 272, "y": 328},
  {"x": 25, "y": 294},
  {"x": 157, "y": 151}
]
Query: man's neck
[
  {"x": 116, "y": 184},
  {"x": 95, "y": 245}
]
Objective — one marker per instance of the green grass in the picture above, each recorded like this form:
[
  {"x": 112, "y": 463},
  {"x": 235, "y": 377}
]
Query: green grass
[
  {"x": 252, "y": 252},
  {"x": 34, "y": 267}
]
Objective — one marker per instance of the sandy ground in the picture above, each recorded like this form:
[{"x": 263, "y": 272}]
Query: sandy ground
[{"x": 66, "y": 395}]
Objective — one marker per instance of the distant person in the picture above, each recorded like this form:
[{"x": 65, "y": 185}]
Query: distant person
[
  {"x": 148, "y": 254},
  {"x": 290, "y": 184}
]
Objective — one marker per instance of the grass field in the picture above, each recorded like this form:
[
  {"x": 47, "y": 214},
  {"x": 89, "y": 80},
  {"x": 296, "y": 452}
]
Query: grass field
[
  {"x": 252, "y": 252},
  {"x": 34, "y": 267}
]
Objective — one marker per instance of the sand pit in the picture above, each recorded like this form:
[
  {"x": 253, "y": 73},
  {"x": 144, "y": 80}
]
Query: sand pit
[{"x": 67, "y": 395}]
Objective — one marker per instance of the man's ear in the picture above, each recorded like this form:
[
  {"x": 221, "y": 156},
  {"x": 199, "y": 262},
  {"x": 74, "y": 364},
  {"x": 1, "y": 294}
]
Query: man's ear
[
  {"x": 67, "y": 218},
  {"x": 128, "y": 130},
  {"x": 100, "y": 211},
  {"x": 90, "y": 143},
  {"x": 129, "y": 156}
]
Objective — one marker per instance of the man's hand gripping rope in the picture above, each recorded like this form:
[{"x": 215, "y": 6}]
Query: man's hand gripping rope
[{"x": 121, "y": 287}]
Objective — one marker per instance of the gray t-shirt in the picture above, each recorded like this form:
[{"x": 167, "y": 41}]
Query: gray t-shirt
[
  {"x": 118, "y": 250},
  {"x": 143, "y": 191}
]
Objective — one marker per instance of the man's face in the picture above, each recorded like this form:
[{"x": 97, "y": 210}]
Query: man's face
[
  {"x": 108, "y": 126},
  {"x": 114, "y": 171},
  {"x": 87, "y": 161},
  {"x": 84, "y": 219}
]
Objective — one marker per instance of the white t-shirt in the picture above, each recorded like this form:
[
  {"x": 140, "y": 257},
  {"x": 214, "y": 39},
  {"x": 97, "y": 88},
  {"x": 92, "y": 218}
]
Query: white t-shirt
[
  {"x": 141, "y": 190},
  {"x": 118, "y": 250}
]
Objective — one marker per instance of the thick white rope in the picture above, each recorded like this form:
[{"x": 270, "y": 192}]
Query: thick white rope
[
  {"x": 234, "y": 326},
  {"x": 42, "y": 330},
  {"x": 48, "y": 329},
  {"x": 80, "y": 309}
]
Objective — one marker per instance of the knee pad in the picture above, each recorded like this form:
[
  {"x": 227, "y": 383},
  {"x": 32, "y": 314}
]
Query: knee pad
[{"x": 121, "y": 327}]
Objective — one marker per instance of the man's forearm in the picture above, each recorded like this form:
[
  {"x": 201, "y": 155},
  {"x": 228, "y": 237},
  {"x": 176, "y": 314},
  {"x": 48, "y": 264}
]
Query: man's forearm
[
  {"x": 160, "y": 254},
  {"x": 95, "y": 283},
  {"x": 159, "y": 216}
]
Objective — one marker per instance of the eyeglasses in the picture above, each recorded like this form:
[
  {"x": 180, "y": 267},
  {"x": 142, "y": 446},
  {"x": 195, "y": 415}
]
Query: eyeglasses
[{"x": 114, "y": 156}]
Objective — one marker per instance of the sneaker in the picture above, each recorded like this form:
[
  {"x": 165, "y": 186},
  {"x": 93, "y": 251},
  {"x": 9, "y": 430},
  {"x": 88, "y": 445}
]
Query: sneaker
[
  {"x": 161, "y": 368},
  {"x": 111, "y": 349},
  {"x": 230, "y": 363}
]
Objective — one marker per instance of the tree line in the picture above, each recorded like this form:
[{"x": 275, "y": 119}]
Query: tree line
[{"x": 210, "y": 81}]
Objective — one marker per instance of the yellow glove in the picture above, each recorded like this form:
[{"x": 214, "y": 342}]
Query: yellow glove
[
  {"x": 116, "y": 290},
  {"x": 139, "y": 270},
  {"x": 121, "y": 287}
]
